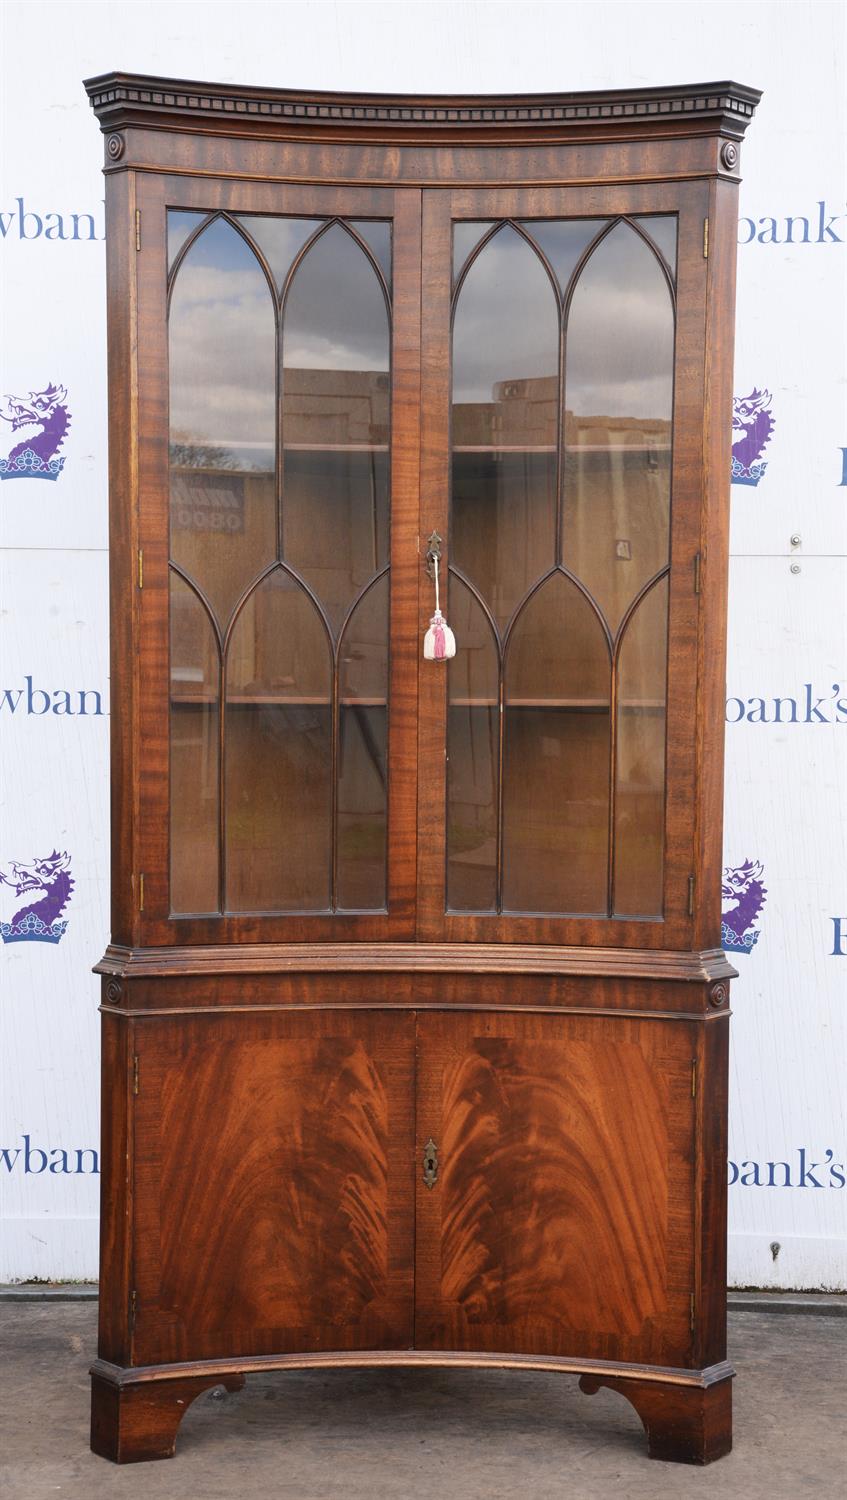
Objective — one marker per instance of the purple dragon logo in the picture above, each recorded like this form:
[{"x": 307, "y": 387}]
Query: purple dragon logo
[
  {"x": 35, "y": 920},
  {"x": 35, "y": 456},
  {"x": 752, "y": 425},
  {"x": 742, "y": 898}
]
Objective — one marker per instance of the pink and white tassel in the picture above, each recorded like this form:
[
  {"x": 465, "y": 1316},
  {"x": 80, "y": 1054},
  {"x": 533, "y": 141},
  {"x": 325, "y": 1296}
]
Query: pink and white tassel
[{"x": 439, "y": 641}]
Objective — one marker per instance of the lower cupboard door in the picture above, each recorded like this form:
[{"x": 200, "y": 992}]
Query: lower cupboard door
[
  {"x": 561, "y": 1218},
  {"x": 273, "y": 1197}
]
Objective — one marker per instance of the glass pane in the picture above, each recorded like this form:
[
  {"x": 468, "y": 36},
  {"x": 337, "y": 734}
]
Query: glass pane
[
  {"x": 662, "y": 231},
  {"x": 335, "y": 511},
  {"x": 504, "y": 523},
  {"x": 279, "y": 240},
  {"x": 618, "y": 398},
  {"x": 563, "y": 242},
  {"x": 335, "y": 349},
  {"x": 472, "y": 756},
  {"x": 194, "y": 709},
  {"x": 362, "y": 754},
  {"x": 506, "y": 350},
  {"x": 640, "y": 785},
  {"x": 181, "y": 223},
  {"x": 466, "y": 235},
  {"x": 505, "y": 422},
  {"x": 222, "y": 415},
  {"x": 335, "y": 422},
  {"x": 556, "y": 755},
  {"x": 278, "y": 753},
  {"x": 377, "y": 236},
  {"x": 223, "y": 530}
]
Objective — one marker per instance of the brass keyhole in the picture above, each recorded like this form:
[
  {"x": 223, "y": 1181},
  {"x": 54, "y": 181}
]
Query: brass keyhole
[{"x": 430, "y": 1163}]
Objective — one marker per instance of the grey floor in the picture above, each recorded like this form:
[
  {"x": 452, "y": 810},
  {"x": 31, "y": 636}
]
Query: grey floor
[{"x": 457, "y": 1435}]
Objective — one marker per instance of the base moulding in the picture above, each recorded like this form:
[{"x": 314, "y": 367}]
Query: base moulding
[{"x": 136, "y": 1411}]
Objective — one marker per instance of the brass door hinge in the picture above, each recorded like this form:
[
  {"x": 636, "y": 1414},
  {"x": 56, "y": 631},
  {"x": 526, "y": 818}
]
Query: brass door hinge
[
  {"x": 705, "y": 239},
  {"x": 140, "y": 568},
  {"x": 141, "y": 891},
  {"x": 697, "y": 564},
  {"x": 133, "y": 1308},
  {"x": 138, "y": 229},
  {"x": 691, "y": 895},
  {"x": 135, "y": 1074},
  {"x": 693, "y": 1077},
  {"x": 693, "y": 1305}
]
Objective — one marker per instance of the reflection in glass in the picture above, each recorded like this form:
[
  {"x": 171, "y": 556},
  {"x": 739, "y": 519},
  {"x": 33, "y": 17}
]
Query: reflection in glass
[
  {"x": 279, "y": 239},
  {"x": 472, "y": 756},
  {"x": 335, "y": 422},
  {"x": 504, "y": 523},
  {"x": 376, "y": 234},
  {"x": 278, "y": 753},
  {"x": 563, "y": 242},
  {"x": 222, "y": 416},
  {"x": 336, "y": 521},
  {"x": 640, "y": 782},
  {"x": 618, "y": 396},
  {"x": 662, "y": 231},
  {"x": 556, "y": 755},
  {"x": 466, "y": 235},
  {"x": 194, "y": 709},
  {"x": 181, "y": 223},
  {"x": 335, "y": 348},
  {"x": 362, "y": 754},
  {"x": 505, "y": 422}
]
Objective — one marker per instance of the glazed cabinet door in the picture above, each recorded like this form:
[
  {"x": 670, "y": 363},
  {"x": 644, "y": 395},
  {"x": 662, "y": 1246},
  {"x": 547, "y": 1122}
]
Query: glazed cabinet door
[
  {"x": 278, "y": 434},
  {"x": 563, "y": 379},
  {"x": 274, "y": 1202},
  {"x": 555, "y": 1196}
]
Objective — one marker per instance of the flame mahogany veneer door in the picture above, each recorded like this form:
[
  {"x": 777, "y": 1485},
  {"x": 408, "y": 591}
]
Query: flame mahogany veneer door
[
  {"x": 561, "y": 1221},
  {"x": 274, "y": 1202}
]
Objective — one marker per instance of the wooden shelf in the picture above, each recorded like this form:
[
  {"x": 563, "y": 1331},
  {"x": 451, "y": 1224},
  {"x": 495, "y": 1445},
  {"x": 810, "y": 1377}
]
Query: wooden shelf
[
  {"x": 335, "y": 447},
  {"x": 580, "y": 705},
  {"x": 277, "y": 700}
]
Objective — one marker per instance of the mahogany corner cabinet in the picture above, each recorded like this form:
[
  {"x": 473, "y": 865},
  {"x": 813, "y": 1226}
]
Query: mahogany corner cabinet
[{"x": 414, "y": 1016}]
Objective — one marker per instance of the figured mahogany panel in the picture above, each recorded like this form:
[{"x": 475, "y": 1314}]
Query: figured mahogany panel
[
  {"x": 273, "y": 1193},
  {"x": 562, "y": 1214}
]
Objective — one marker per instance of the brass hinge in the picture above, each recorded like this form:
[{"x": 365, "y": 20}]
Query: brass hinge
[
  {"x": 138, "y": 229},
  {"x": 135, "y": 1074},
  {"x": 693, "y": 1305},
  {"x": 705, "y": 239},
  {"x": 697, "y": 560},
  {"x": 140, "y": 568},
  {"x": 141, "y": 892},
  {"x": 691, "y": 895},
  {"x": 133, "y": 1308},
  {"x": 693, "y": 1077}
]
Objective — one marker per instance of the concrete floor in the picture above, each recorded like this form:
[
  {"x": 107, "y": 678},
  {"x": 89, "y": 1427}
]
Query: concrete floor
[{"x": 427, "y": 1434}]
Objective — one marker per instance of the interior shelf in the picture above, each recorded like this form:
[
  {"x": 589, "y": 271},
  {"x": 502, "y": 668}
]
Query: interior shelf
[
  {"x": 282, "y": 700},
  {"x": 583, "y": 705}
]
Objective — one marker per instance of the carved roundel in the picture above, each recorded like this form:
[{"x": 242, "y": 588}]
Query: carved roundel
[
  {"x": 115, "y": 147},
  {"x": 729, "y": 154},
  {"x": 718, "y": 995},
  {"x": 114, "y": 992}
]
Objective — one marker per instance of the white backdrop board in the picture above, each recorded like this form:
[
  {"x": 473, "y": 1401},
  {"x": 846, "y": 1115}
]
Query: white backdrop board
[{"x": 786, "y": 880}]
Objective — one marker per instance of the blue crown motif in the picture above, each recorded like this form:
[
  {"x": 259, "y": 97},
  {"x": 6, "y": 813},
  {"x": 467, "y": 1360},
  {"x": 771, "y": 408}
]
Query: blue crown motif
[
  {"x": 28, "y": 465},
  {"x": 31, "y": 929},
  {"x": 750, "y": 473}
]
